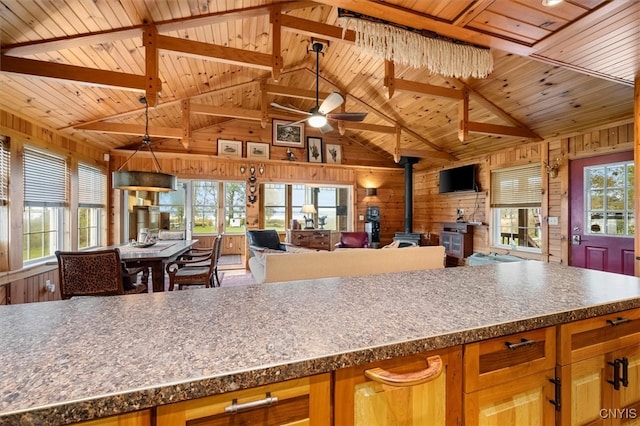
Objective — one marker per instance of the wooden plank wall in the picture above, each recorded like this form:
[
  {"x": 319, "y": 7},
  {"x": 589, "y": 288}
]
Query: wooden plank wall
[
  {"x": 361, "y": 168},
  {"x": 432, "y": 209}
]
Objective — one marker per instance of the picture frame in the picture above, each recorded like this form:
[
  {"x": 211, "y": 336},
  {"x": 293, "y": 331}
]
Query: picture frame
[
  {"x": 333, "y": 153},
  {"x": 314, "y": 149},
  {"x": 258, "y": 150},
  {"x": 287, "y": 134},
  {"x": 229, "y": 148}
]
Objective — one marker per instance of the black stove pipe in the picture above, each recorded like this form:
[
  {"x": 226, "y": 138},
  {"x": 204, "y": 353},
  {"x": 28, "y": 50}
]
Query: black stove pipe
[{"x": 408, "y": 163}]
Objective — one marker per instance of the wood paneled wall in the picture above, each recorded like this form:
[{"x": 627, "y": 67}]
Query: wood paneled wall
[
  {"x": 361, "y": 168},
  {"x": 432, "y": 209}
]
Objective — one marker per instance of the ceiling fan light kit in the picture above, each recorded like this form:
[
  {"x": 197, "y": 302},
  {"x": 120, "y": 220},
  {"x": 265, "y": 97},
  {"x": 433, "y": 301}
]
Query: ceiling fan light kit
[{"x": 321, "y": 113}]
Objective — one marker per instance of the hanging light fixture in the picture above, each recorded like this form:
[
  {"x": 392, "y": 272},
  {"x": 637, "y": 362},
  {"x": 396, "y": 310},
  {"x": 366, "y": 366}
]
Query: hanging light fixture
[{"x": 144, "y": 181}]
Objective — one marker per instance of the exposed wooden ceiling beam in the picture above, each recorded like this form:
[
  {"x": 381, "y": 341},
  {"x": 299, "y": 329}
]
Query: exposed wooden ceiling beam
[
  {"x": 81, "y": 75},
  {"x": 246, "y": 114},
  {"x": 227, "y": 55},
  {"x": 133, "y": 129}
]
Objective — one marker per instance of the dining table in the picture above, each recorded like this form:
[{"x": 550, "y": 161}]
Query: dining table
[{"x": 154, "y": 256}]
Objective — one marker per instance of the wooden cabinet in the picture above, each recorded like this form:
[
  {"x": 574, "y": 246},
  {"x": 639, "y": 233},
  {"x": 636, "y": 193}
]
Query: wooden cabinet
[
  {"x": 457, "y": 239},
  {"x": 422, "y": 389},
  {"x": 305, "y": 401},
  {"x": 138, "y": 418},
  {"x": 511, "y": 380},
  {"x": 599, "y": 367},
  {"x": 319, "y": 239}
]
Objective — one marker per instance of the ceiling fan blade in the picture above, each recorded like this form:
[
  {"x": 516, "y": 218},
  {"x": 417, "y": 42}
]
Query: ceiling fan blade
[
  {"x": 276, "y": 105},
  {"x": 298, "y": 122},
  {"x": 333, "y": 101},
  {"x": 326, "y": 128},
  {"x": 347, "y": 116}
]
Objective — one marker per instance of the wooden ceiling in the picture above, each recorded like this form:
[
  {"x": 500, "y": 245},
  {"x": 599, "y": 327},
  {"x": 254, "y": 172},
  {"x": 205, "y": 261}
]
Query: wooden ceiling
[{"x": 81, "y": 67}]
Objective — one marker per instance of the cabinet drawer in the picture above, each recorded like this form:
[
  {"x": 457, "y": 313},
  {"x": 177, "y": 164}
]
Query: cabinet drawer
[
  {"x": 499, "y": 360},
  {"x": 594, "y": 336},
  {"x": 301, "y": 401}
]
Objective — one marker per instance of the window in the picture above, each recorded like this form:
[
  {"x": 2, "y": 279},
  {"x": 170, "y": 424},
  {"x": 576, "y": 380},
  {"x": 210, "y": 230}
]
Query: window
[
  {"x": 275, "y": 206},
  {"x": 609, "y": 199},
  {"x": 92, "y": 193},
  {"x": 235, "y": 207},
  {"x": 283, "y": 202},
  {"x": 205, "y": 207},
  {"x": 173, "y": 202},
  {"x": 515, "y": 201},
  {"x": 45, "y": 196}
]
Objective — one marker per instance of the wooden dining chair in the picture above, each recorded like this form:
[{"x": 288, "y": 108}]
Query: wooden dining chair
[
  {"x": 93, "y": 273},
  {"x": 196, "y": 268}
]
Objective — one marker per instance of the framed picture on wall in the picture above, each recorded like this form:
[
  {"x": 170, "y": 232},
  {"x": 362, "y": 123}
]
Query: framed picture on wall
[
  {"x": 314, "y": 150},
  {"x": 333, "y": 153},
  {"x": 258, "y": 150},
  {"x": 229, "y": 148},
  {"x": 287, "y": 134}
]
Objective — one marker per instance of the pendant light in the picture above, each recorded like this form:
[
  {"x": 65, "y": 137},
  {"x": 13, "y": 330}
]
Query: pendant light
[{"x": 141, "y": 180}]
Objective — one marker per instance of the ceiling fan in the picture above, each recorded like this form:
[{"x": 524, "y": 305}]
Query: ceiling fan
[{"x": 319, "y": 114}]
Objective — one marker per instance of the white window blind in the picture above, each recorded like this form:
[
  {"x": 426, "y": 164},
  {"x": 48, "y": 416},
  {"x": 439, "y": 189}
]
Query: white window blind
[
  {"x": 518, "y": 186},
  {"x": 4, "y": 170},
  {"x": 92, "y": 186},
  {"x": 45, "y": 179}
]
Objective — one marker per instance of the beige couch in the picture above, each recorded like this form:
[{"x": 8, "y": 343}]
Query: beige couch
[{"x": 268, "y": 267}]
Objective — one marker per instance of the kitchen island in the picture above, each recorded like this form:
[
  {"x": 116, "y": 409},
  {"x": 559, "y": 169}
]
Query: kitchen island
[{"x": 74, "y": 360}]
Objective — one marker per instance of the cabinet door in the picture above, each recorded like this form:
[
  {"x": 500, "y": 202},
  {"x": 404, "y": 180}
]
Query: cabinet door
[
  {"x": 305, "y": 401},
  {"x": 525, "y": 401},
  {"x": 361, "y": 399},
  {"x": 139, "y": 418},
  {"x": 585, "y": 392},
  {"x": 627, "y": 398}
]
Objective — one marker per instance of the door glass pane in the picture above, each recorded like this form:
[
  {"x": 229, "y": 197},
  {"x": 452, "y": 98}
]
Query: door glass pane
[
  {"x": 609, "y": 198},
  {"x": 172, "y": 202},
  {"x": 235, "y": 207},
  {"x": 205, "y": 207}
]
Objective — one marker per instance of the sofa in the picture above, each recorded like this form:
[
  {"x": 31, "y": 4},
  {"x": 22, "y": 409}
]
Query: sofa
[{"x": 270, "y": 266}]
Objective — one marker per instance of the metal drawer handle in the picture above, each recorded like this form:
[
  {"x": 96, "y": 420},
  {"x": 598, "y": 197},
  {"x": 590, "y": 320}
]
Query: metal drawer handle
[
  {"x": 618, "y": 321},
  {"x": 235, "y": 407},
  {"x": 523, "y": 342},
  {"x": 433, "y": 370}
]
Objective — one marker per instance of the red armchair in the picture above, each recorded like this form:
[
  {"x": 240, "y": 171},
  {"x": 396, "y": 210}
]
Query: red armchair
[{"x": 353, "y": 240}]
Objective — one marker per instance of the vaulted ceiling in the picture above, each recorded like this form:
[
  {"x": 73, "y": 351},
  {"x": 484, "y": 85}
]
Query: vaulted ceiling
[{"x": 80, "y": 67}]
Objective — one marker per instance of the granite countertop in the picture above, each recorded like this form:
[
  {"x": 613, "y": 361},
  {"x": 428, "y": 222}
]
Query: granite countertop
[{"x": 74, "y": 360}]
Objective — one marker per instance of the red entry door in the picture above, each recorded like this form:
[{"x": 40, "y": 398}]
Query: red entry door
[{"x": 602, "y": 217}]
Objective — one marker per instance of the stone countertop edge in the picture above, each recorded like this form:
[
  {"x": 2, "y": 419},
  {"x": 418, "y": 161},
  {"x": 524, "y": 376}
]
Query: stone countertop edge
[{"x": 142, "y": 398}]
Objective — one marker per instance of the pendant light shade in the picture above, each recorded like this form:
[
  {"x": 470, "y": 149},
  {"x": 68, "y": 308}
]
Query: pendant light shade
[{"x": 143, "y": 180}]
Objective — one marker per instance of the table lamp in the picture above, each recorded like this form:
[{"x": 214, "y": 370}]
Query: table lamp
[{"x": 310, "y": 210}]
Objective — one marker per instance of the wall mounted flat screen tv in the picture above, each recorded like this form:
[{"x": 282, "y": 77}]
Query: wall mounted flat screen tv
[{"x": 458, "y": 179}]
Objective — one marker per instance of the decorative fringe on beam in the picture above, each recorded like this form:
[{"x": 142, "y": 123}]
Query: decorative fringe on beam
[{"x": 444, "y": 57}]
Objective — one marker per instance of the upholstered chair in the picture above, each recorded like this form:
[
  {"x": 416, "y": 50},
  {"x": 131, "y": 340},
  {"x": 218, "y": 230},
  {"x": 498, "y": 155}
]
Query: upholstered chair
[
  {"x": 264, "y": 239},
  {"x": 197, "y": 270},
  {"x": 93, "y": 273},
  {"x": 353, "y": 240}
]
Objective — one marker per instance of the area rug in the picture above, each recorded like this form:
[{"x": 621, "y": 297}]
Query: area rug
[{"x": 233, "y": 280}]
